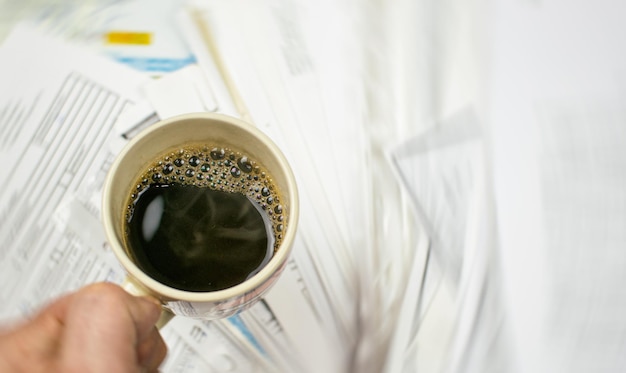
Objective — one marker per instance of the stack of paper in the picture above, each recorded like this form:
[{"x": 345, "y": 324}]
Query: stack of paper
[
  {"x": 274, "y": 69},
  {"x": 524, "y": 271},
  {"x": 459, "y": 165}
]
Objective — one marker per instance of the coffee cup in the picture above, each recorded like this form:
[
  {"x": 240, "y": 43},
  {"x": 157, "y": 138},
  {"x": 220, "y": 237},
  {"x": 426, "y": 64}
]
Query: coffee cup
[{"x": 231, "y": 156}]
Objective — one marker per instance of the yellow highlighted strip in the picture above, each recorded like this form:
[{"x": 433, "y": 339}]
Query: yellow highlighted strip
[{"x": 135, "y": 38}]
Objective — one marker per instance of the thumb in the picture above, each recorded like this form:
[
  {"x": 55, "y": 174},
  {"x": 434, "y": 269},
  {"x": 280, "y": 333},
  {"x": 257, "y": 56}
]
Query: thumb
[
  {"x": 104, "y": 326},
  {"x": 145, "y": 312}
]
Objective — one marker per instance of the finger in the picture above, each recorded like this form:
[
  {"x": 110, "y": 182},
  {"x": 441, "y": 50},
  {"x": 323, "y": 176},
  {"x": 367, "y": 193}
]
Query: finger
[
  {"x": 145, "y": 312},
  {"x": 42, "y": 333},
  {"x": 102, "y": 322},
  {"x": 35, "y": 341},
  {"x": 152, "y": 351}
]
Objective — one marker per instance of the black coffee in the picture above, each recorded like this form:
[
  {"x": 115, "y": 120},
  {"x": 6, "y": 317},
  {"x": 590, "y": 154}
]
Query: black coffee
[{"x": 203, "y": 220}]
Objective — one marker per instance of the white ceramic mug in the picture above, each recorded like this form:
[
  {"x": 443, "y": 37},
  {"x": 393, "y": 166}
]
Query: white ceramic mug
[{"x": 172, "y": 134}]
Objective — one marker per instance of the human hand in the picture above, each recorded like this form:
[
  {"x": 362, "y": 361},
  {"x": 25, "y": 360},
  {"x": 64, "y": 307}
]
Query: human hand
[{"x": 99, "y": 328}]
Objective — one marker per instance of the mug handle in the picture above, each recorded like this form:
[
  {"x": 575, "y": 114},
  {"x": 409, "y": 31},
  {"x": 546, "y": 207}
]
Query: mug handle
[{"x": 133, "y": 288}]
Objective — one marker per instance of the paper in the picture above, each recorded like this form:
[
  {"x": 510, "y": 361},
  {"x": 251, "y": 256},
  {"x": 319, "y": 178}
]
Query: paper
[
  {"x": 557, "y": 116},
  {"x": 138, "y": 33},
  {"x": 181, "y": 92},
  {"x": 445, "y": 172},
  {"x": 282, "y": 91},
  {"x": 327, "y": 81},
  {"x": 59, "y": 134},
  {"x": 55, "y": 130}
]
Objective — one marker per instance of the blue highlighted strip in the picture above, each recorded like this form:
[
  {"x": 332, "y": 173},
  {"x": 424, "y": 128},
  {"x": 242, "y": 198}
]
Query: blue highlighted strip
[
  {"x": 163, "y": 65},
  {"x": 241, "y": 326}
]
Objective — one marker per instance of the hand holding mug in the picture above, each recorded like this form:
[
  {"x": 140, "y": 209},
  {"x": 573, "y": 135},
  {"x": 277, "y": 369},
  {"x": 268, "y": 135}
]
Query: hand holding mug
[{"x": 99, "y": 328}]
